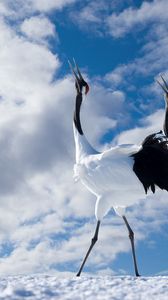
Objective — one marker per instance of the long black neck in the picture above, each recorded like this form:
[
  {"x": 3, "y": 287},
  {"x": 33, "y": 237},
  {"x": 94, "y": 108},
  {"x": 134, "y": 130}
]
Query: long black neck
[
  {"x": 165, "y": 126},
  {"x": 77, "y": 113}
]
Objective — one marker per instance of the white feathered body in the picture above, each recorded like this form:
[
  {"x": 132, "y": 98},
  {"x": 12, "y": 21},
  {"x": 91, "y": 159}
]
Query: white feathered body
[{"x": 108, "y": 175}]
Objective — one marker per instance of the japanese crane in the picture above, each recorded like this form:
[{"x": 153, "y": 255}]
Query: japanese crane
[{"x": 122, "y": 175}]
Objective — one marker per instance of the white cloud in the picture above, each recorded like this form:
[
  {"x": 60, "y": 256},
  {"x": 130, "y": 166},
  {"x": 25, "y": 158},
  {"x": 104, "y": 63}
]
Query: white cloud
[
  {"x": 101, "y": 107},
  {"x": 92, "y": 15},
  {"x": 25, "y": 67},
  {"x": 3, "y": 9},
  {"x": 37, "y": 192},
  {"x": 130, "y": 18},
  {"x": 20, "y": 9},
  {"x": 38, "y": 28},
  {"x": 44, "y": 6},
  {"x": 37, "y": 5},
  {"x": 88, "y": 14},
  {"x": 150, "y": 124}
]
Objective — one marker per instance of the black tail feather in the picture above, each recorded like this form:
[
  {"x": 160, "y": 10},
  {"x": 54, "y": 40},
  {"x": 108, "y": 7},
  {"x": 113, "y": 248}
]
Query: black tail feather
[{"x": 151, "y": 164}]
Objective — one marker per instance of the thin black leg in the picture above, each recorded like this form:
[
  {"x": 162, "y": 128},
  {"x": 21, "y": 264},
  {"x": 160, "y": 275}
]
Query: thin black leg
[
  {"x": 93, "y": 241},
  {"x": 131, "y": 236}
]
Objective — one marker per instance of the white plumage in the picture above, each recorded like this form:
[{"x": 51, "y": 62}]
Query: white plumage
[{"x": 108, "y": 175}]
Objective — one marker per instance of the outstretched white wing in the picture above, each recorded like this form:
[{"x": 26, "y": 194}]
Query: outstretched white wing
[{"x": 111, "y": 170}]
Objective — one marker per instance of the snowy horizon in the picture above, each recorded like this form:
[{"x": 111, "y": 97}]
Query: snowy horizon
[
  {"x": 98, "y": 287},
  {"x": 47, "y": 220}
]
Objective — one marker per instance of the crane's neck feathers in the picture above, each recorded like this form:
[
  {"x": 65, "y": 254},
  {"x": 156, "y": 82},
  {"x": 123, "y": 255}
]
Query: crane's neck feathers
[
  {"x": 83, "y": 147},
  {"x": 77, "y": 122}
]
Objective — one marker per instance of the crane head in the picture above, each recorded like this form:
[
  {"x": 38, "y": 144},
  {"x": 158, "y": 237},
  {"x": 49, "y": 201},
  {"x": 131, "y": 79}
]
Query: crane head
[
  {"x": 164, "y": 86},
  {"x": 80, "y": 83}
]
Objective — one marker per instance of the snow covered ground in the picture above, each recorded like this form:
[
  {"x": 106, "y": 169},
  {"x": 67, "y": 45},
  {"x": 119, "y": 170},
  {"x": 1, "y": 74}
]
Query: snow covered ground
[{"x": 71, "y": 288}]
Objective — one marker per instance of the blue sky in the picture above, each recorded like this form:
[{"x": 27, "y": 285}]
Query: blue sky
[{"x": 47, "y": 220}]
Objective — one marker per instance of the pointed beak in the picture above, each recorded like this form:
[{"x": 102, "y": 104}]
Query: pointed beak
[
  {"x": 163, "y": 85},
  {"x": 74, "y": 74},
  {"x": 78, "y": 77}
]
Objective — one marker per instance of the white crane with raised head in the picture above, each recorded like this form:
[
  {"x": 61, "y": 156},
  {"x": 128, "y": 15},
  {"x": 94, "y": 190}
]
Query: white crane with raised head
[{"x": 119, "y": 176}]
